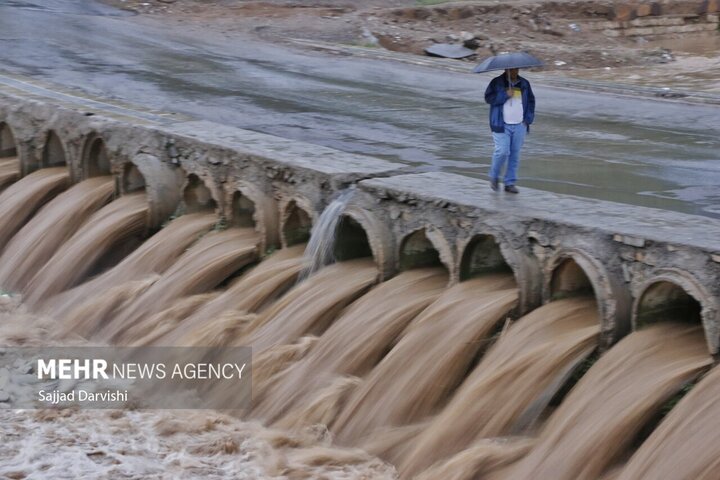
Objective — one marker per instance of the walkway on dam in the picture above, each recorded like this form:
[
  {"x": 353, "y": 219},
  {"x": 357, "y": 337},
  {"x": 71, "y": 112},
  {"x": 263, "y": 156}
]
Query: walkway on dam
[{"x": 626, "y": 149}]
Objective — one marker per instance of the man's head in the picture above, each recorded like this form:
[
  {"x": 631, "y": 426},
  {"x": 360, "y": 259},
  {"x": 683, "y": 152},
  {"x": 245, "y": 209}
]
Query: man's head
[{"x": 512, "y": 73}]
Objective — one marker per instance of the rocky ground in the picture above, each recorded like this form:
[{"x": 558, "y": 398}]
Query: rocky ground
[{"x": 675, "y": 45}]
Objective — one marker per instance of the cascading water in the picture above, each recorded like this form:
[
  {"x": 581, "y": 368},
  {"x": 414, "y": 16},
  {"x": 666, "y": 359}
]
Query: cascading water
[
  {"x": 38, "y": 240},
  {"x": 355, "y": 342},
  {"x": 422, "y": 370},
  {"x": 400, "y": 368},
  {"x": 686, "y": 445},
  {"x": 20, "y": 201},
  {"x": 9, "y": 171},
  {"x": 81, "y": 305},
  {"x": 516, "y": 371},
  {"x": 204, "y": 266},
  {"x": 320, "y": 249},
  {"x": 615, "y": 399},
  {"x": 103, "y": 232},
  {"x": 263, "y": 284}
]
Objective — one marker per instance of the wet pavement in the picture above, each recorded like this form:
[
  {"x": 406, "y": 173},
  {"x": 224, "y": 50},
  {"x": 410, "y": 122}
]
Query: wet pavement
[{"x": 621, "y": 148}]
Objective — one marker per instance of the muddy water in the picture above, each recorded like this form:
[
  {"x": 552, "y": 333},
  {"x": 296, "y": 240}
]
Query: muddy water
[
  {"x": 154, "y": 256},
  {"x": 103, "y": 232},
  {"x": 686, "y": 445},
  {"x": 312, "y": 305},
  {"x": 259, "y": 287},
  {"x": 352, "y": 345},
  {"x": 203, "y": 267},
  {"x": 617, "y": 397},
  {"x": 9, "y": 171},
  {"x": 428, "y": 363},
  {"x": 38, "y": 240},
  {"x": 137, "y": 445},
  {"x": 23, "y": 198},
  {"x": 518, "y": 372}
]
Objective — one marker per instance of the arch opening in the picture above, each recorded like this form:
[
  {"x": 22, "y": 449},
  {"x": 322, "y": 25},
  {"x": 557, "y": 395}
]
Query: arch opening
[
  {"x": 416, "y": 251},
  {"x": 666, "y": 301},
  {"x": 570, "y": 280},
  {"x": 53, "y": 154},
  {"x": 351, "y": 240},
  {"x": 95, "y": 158},
  {"x": 197, "y": 196},
  {"x": 298, "y": 225},
  {"x": 482, "y": 255},
  {"x": 132, "y": 179},
  {"x": 243, "y": 211},
  {"x": 8, "y": 148}
]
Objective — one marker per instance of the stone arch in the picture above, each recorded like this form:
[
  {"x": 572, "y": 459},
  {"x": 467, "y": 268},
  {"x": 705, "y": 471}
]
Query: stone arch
[
  {"x": 95, "y": 159},
  {"x": 250, "y": 206},
  {"x": 53, "y": 153},
  {"x": 8, "y": 147},
  {"x": 572, "y": 271},
  {"x": 132, "y": 179},
  {"x": 675, "y": 295},
  {"x": 482, "y": 254},
  {"x": 425, "y": 247},
  {"x": 361, "y": 234},
  {"x": 242, "y": 210},
  {"x": 296, "y": 220},
  {"x": 570, "y": 279},
  {"x": 158, "y": 180},
  {"x": 197, "y": 196}
]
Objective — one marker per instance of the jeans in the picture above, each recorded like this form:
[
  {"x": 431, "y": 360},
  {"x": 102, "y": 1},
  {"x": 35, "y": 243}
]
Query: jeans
[{"x": 507, "y": 149}]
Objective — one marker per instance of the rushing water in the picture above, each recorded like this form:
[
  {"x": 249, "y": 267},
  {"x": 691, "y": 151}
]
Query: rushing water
[
  {"x": 103, "y": 233},
  {"x": 20, "y": 201},
  {"x": 319, "y": 251},
  {"x": 517, "y": 371},
  {"x": 686, "y": 445},
  {"x": 422, "y": 370},
  {"x": 617, "y": 397},
  {"x": 435, "y": 380},
  {"x": 38, "y": 240}
]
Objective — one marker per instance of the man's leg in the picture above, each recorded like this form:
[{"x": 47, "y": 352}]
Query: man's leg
[
  {"x": 500, "y": 154},
  {"x": 517, "y": 138}
]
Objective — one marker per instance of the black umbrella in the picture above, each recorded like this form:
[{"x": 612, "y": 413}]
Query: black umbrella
[{"x": 508, "y": 60}]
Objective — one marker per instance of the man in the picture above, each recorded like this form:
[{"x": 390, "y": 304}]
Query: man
[{"x": 512, "y": 110}]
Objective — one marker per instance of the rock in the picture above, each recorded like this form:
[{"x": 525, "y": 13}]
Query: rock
[
  {"x": 460, "y": 13},
  {"x": 4, "y": 397},
  {"x": 473, "y": 44},
  {"x": 466, "y": 36},
  {"x": 624, "y": 13},
  {"x": 647, "y": 9},
  {"x": 708, "y": 6}
]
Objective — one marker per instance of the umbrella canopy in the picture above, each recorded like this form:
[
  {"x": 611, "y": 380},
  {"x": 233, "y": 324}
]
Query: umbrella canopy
[{"x": 508, "y": 60}]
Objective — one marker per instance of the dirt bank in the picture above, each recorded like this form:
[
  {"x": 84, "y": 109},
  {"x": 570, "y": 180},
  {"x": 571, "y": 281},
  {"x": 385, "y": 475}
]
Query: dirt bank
[{"x": 673, "y": 44}]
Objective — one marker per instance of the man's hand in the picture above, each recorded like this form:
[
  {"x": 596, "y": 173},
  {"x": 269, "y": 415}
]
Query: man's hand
[{"x": 509, "y": 92}]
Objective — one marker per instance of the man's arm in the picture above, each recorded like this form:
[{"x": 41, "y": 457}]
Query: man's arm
[
  {"x": 495, "y": 96},
  {"x": 530, "y": 114}
]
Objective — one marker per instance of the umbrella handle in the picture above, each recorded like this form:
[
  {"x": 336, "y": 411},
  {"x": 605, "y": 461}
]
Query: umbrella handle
[{"x": 509, "y": 84}]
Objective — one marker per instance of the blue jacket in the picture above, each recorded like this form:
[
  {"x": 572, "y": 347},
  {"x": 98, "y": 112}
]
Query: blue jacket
[{"x": 496, "y": 95}]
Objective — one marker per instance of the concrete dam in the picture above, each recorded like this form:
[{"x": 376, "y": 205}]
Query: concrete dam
[{"x": 565, "y": 324}]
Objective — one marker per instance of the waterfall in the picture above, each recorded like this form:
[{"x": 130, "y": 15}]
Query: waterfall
[{"x": 320, "y": 248}]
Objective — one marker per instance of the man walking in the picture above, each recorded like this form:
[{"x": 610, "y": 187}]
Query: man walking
[{"x": 512, "y": 110}]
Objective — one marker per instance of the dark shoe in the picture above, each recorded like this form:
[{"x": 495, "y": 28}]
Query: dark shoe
[
  {"x": 495, "y": 184},
  {"x": 511, "y": 189}
]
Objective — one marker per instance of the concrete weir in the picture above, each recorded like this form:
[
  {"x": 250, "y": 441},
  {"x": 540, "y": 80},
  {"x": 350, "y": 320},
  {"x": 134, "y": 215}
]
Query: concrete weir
[{"x": 642, "y": 265}]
